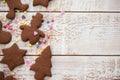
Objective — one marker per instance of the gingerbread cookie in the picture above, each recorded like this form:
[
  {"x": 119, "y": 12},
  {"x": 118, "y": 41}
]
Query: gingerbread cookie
[
  {"x": 7, "y": 78},
  {"x": 15, "y": 4},
  {"x": 1, "y": 75},
  {"x": 43, "y": 65},
  {"x": 13, "y": 56},
  {"x": 41, "y": 2},
  {"x": 32, "y": 33},
  {"x": 5, "y": 37}
]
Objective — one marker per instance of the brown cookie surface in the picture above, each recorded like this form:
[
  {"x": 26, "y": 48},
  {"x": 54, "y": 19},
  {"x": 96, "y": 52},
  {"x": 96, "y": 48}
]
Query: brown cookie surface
[
  {"x": 13, "y": 56},
  {"x": 32, "y": 33},
  {"x": 7, "y": 78},
  {"x": 1, "y": 75},
  {"x": 15, "y": 4},
  {"x": 42, "y": 66},
  {"x": 5, "y": 37},
  {"x": 41, "y": 2}
]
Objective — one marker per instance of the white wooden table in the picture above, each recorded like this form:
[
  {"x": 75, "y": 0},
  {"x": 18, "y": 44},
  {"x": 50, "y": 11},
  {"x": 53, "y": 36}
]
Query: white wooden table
[{"x": 85, "y": 41}]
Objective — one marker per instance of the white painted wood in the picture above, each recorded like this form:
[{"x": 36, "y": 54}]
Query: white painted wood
[
  {"x": 73, "y": 68},
  {"x": 76, "y": 33},
  {"x": 72, "y": 5}
]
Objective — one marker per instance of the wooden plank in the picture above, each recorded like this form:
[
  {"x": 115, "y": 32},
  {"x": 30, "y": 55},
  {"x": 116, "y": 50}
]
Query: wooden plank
[
  {"x": 75, "y": 34},
  {"x": 73, "y": 68},
  {"x": 71, "y": 5}
]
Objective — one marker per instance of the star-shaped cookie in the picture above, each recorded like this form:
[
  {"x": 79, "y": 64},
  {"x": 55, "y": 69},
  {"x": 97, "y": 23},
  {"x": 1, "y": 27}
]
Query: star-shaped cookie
[
  {"x": 41, "y": 2},
  {"x": 43, "y": 65},
  {"x": 13, "y": 56}
]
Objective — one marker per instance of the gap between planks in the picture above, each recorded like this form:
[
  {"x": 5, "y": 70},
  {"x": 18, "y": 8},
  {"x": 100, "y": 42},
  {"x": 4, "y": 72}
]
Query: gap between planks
[
  {"x": 72, "y": 11},
  {"x": 79, "y": 55}
]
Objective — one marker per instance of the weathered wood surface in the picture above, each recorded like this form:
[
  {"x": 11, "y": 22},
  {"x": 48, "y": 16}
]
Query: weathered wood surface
[
  {"x": 76, "y": 34},
  {"x": 72, "y": 5},
  {"x": 86, "y": 29},
  {"x": 73, "y": 68}
]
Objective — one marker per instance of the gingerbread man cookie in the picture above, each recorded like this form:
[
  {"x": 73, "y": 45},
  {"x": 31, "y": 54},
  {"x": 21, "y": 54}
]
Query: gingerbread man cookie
[
  {"x": 5, "y": 37},
  {"x": 32, "y": 33},
  {"x": 15, "y": 4}
]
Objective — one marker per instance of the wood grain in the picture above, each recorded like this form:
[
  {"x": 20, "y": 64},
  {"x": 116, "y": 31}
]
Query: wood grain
[
  {"x": 89, "y": 27},
  {"x": 75, "y": 33},
  {"x": 71, "y": 5},
  {"x": 73, "y": 68}
]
